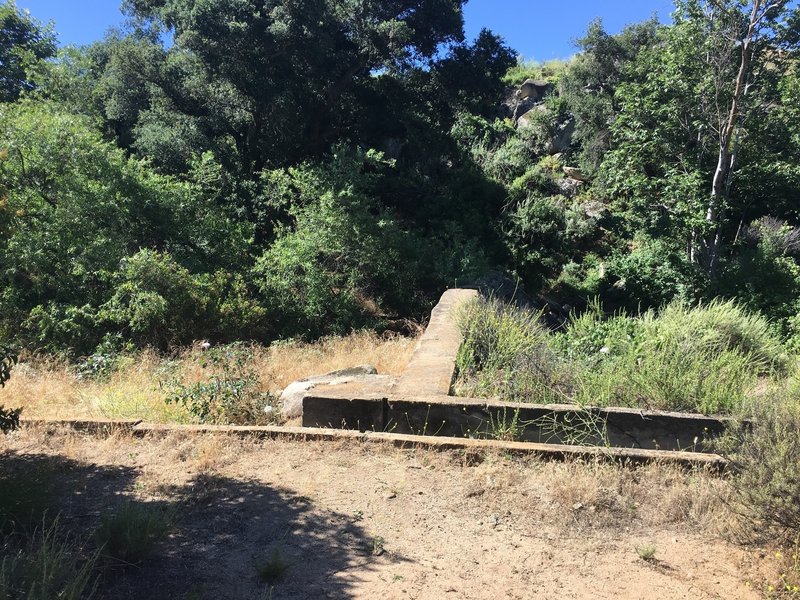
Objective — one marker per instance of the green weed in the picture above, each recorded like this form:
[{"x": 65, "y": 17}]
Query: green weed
[
  {"x": 647, "y": 552},
  {"x": 131, "y": 534},
  {"x": 274, "y": 569},
  {"x": 706, "y": 358}
]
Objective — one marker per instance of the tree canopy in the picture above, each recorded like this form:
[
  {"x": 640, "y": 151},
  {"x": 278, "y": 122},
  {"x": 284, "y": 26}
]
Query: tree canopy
[{"x": 255, "y": 169}]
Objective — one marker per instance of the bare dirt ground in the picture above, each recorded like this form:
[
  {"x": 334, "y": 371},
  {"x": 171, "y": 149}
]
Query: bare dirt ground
[{"x": 358, "y": 520}]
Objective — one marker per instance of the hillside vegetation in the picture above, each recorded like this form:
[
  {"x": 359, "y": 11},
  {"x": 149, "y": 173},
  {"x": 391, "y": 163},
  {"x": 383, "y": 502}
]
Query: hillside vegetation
[{"x": 210, "y": 173}]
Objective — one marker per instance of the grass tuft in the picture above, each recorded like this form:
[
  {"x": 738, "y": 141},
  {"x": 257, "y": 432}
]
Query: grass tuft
[
  {"x": 45, "y": 566},
  {"x": 131, "y": 534},
  {"x": 274, "y": 569}
]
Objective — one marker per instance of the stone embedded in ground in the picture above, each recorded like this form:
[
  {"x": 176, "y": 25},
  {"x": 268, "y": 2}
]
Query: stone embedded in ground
[{"x": 292, "y": 397}]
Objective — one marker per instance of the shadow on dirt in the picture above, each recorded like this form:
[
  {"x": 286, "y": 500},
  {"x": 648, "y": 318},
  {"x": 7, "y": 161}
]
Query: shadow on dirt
[{"x": 226, "y": 531}]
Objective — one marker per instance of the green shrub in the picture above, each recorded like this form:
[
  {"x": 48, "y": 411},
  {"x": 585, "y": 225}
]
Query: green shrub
[
  {"x": 765, "y": 454},
  {"x": 131, "y": 534},
  {"x": 157, "y": 301},
  {"x": 345, "y": 261},
  {"x": 229, "y": 391},
  {"x": 536, "y": 238},
  {"x": 591, "y": 332},
  {"x": 650, "y": 275}
]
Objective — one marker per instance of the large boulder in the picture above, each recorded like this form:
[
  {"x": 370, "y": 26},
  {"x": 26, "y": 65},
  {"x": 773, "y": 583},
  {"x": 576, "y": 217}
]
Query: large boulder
[
  {"x": 569, "y": 187},
  {"x": 535, "y": 89},
  {"x": 575, "y": 173},
  {"x": 292, "y": 397},
  {"x": 562, "y": 140}
]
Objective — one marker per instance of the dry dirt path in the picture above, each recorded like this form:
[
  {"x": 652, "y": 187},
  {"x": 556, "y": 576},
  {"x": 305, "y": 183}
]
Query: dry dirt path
[{"x": 371, "y": 522}]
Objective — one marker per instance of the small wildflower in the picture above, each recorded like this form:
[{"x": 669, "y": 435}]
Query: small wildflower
[
  {"x": 770, "y": 588},
  {"x": 778, "y": 555}
]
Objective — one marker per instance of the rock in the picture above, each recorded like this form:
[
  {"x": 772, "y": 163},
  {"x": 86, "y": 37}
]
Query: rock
[
  {"x": 529, "y": 117},
  {"x": 574, "y": 173},
  {"x": 562, "y": 140},
  {"x": 292, "y": 397},
  {"x": 495, "y": 284},
  {"x": 594, "y": 209},
  {"x": 535, "y": 89},
  {"x": 569, "y": 187}
]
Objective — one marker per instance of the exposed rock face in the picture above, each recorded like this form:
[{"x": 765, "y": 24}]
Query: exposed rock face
[
  {"x": 535, "y": 90},
  {"x": 569, "y": 187},
  {"x": 574, "y": 173},
  {"x": 527, "y": 119},
  {"x": 524, "y": 99},
  {"x": 562, "y": 139},
  {"x": 292, "y": 397}
]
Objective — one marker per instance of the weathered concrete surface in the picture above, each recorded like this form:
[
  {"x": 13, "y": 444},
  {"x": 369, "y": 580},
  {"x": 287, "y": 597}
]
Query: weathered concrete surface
[
  {"x": 431, "y": 370},
  {"x": 419, "y": 403},
  {"x": 550, "y": 451},
  {"x": 557, "y": 424}
]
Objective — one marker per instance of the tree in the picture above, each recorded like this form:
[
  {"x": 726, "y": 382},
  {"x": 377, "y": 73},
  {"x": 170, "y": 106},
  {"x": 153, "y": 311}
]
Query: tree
[
  {"x": 753, "y": 43},
  {"x": 76, "y": 206},
  {"x": 23, "y": 42},
  {"x": 590, "y": 83},
  {"x": 694, "y": 105},
  {"x": 277, "y": 81}
]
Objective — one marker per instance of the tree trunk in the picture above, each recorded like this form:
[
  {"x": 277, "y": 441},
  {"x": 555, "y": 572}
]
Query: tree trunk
[{"x": 726, "y": 160}]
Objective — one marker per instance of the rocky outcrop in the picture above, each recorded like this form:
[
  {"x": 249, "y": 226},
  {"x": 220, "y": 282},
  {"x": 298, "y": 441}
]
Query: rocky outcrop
[
  {"x": 574, "y": 173},
  {"x": 535, "y": 90},
  {"x": 528, "y": 119},
  {"x": 562, "y": 139},
  {"x": 569, "y": 187}
]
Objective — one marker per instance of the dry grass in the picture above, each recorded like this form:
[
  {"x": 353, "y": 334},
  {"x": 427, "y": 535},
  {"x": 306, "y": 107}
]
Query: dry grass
[
  {"x": 282, "y": 364},
  {"x": 598, "y": 494},
  {"x": 49, "y": 389}
]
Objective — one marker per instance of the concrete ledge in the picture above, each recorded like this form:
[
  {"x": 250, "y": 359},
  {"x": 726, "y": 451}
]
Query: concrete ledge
[
  {"x": 547, "y": 451},
  {"x": 433, "y": 365},
  {"x": 554, "y": 424},
  {"x": 419, "y": 403}
]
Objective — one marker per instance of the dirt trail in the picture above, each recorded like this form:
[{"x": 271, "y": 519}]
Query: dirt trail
[{"x": 364, "y": 521}]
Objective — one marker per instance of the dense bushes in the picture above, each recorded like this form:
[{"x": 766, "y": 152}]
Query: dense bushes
[
  {"x": 344, "y": 260},
  {"x": 80, "y": 213},
  {"x": 706, "y": 358}
]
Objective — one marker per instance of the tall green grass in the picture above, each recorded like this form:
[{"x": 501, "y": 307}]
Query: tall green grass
[{"x": 706, "y": 358}]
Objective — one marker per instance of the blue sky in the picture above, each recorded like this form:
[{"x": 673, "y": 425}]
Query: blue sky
[{"x": 537, "y": 29}]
